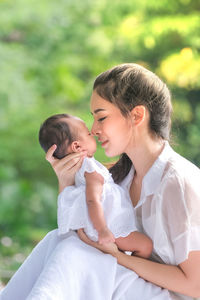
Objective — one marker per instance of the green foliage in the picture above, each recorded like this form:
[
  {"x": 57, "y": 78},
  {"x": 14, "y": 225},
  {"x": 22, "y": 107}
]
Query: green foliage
[{"x": 51, "y": 51}]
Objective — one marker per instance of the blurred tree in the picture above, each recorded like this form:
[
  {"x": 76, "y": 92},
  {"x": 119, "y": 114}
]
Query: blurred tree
[{"x": 51, "y": 51}]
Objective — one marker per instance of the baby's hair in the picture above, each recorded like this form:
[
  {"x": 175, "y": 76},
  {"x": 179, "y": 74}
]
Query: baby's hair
[{"x": 55, "y": 130}]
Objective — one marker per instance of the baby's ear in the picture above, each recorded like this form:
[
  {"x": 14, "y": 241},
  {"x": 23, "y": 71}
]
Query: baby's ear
[{"x": 76, "y": 146}]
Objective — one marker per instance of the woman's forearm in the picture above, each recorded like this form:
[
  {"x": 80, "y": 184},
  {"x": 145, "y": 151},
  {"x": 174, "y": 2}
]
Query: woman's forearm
[
  {"x": 166, "y": 276},
  {"x": 183, "y": 279}
]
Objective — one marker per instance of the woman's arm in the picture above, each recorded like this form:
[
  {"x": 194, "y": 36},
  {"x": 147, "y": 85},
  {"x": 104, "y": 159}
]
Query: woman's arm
[
  {"x": 66, "y": 167},
  {"x": 94, "y": 189},
  {"x": 182, "y": 279}
]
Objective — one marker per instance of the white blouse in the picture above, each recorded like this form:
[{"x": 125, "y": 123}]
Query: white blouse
[{"x": 169, "y": 207}]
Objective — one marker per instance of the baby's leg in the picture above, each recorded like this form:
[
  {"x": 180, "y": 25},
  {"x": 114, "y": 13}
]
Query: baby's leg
[{"x": 136, "y": 242}]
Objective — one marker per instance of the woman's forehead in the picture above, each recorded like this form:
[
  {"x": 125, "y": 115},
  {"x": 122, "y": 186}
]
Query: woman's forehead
[{"x": 98, "y": 104}]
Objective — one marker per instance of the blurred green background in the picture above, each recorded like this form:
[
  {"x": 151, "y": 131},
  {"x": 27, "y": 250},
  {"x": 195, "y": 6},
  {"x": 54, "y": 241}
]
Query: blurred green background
[{"x": 50, "y": 53}]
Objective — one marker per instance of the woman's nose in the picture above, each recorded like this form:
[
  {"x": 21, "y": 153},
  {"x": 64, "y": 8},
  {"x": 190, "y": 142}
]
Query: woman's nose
[{"x": 94, "y": 129}]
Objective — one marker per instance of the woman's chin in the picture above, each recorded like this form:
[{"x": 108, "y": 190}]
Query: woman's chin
[{"x": 110, "y": 154}]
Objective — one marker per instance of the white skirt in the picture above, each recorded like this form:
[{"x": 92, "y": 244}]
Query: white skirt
[{"x": 66, "y": 268}]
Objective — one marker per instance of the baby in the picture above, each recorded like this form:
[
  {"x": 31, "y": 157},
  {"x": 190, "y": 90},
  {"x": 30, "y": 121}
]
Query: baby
[{"x": 95, "y": 202}]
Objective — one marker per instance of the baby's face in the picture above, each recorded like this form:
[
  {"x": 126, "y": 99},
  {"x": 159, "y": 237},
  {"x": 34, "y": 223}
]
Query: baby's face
[{"x": 85, "y": 138}]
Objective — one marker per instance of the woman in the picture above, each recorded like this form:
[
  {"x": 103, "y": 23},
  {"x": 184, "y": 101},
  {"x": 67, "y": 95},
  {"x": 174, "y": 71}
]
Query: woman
[
  {"x": 163, "y": 186},
  {"x": 131, "y": 108}
]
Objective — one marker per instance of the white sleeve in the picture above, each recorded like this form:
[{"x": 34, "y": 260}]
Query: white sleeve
[
  {"x": 181, "y": 215},
  {"x": 91, "y": 165},
  {"x": 87, "y": 166}
]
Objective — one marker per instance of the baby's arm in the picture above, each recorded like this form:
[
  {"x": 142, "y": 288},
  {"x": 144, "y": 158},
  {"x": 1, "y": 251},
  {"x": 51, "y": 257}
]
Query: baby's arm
[
  {"x": 94, "y": 189},
  {"x": 136, "y": 242}
]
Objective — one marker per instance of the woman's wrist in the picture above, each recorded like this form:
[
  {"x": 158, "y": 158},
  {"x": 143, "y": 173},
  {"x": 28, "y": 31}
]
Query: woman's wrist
[
  {"x": 118, "y": 256},
  {"x": 60, "y": 188},
  {"x": 65, "y": 182}
]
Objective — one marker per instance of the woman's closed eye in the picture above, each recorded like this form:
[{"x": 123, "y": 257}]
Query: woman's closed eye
[{"x": 101, "y": 119}]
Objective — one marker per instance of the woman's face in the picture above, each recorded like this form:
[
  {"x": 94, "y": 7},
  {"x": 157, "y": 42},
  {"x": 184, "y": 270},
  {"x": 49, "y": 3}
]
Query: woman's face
[{"x": 113, "y": 130}]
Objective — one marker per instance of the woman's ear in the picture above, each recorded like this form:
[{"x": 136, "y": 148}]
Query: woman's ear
[
  {"x": 76, "y": 146},
  {"x": 138, "y": 114}
]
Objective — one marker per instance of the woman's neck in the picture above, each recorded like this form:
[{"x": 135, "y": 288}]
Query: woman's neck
[{"x": 144, "y": 154}]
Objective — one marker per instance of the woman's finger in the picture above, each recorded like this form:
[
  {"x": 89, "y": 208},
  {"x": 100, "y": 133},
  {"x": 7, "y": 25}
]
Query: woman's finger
[
  {"x": 49, "y": 155},
  {"x": 71, "y": 160},
  {"x": 88, "y": 241},
  {"x": 109, "y": 248},
  {"x": 68, "y": 164},
  {"x": 66, "y": 167},
  {"x": 84, "y": 237},
  {"x": 79, "y": 163},
  {"x": 68, "y": 161}
]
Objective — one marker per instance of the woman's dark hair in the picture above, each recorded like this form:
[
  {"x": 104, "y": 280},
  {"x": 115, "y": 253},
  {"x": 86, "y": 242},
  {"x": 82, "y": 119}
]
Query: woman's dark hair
[
  {"x": 129, "y": 85},
  {"x": 55, "y": 130}
]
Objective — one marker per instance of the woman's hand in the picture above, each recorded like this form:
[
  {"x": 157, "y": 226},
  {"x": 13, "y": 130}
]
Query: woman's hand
[
  {"x": 66, "y": 167},
  {"x": 109, "y": 248}
]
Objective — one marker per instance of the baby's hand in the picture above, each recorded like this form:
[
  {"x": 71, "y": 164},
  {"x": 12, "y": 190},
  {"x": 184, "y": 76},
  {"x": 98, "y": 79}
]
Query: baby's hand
[{"x": 105, "y": 236}]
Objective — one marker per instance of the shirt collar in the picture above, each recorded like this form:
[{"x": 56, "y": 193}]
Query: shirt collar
[{"x": 153, "y": 177}]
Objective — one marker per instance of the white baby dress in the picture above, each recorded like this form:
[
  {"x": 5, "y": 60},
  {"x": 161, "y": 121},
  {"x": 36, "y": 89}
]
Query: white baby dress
[{"x": 117, "y": 206}]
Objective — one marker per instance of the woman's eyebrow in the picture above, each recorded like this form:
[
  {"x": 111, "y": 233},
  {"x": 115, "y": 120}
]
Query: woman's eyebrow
[{"x": 98, "y": 110}]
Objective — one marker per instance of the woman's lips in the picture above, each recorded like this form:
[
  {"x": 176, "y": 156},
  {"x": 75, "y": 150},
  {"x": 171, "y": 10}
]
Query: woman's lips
[{"x": 103, "y": 144}]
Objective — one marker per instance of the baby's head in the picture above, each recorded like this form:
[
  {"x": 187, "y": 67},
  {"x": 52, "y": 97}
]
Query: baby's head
[{"x": 69, "y": 133}]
